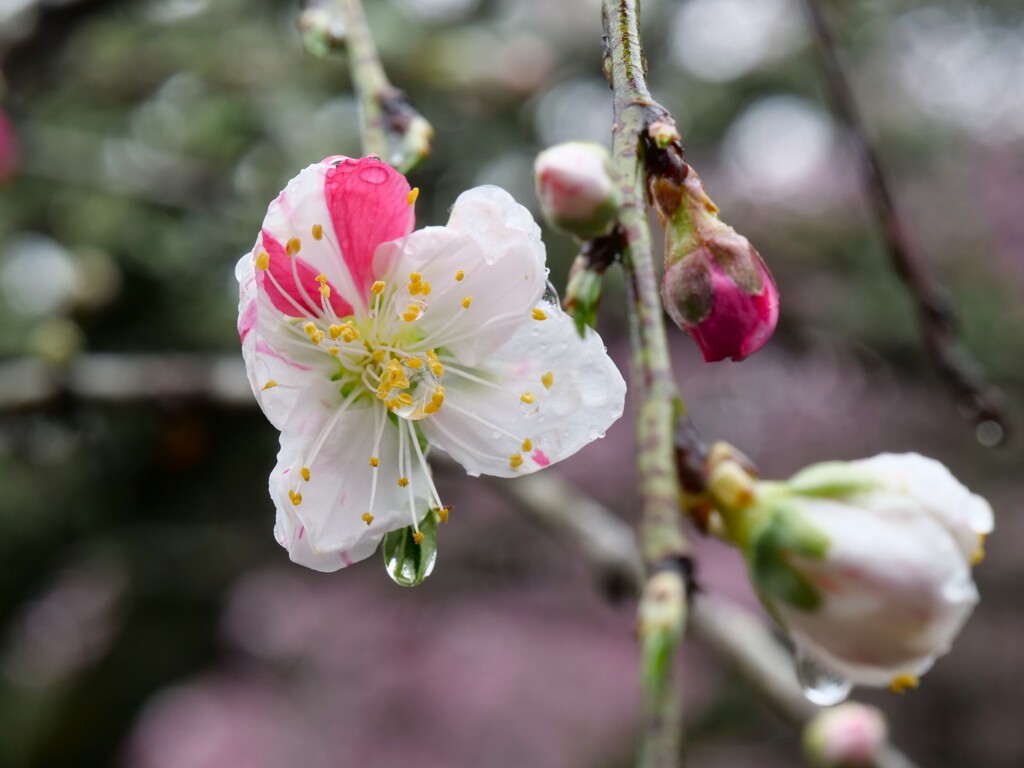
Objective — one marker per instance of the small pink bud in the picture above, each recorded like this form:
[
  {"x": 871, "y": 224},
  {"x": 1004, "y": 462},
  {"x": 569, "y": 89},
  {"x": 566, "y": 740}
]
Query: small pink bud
[
  {"x": 575, "y": 190},
  {"x": 8, "y": 150},
  {"x": 716, "y": 286},
  {"x": 848, "y": 736}
]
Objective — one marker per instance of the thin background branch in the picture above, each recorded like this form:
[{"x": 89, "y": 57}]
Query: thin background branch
[{"x": 961, "y": 373}]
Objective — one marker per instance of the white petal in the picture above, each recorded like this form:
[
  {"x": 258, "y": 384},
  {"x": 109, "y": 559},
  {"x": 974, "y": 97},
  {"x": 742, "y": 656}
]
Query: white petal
[
  {"x": 338, "y": 492},
  {"x": 489, "y": 256},
  {"x": 936, "y": 492},
  {"x": 482, "y": 425},
  {"x": 290, "y": 534}
]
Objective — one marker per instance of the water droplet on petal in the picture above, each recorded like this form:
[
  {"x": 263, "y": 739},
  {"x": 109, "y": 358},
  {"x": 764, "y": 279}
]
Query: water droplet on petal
[
  {"x": 529, "y": 410},
  {"x": 496, "y": 434},
  {"x": 373, "y": 313},
  {"x": 821, "y": 685},
  {"x": 594, "y": 433}
]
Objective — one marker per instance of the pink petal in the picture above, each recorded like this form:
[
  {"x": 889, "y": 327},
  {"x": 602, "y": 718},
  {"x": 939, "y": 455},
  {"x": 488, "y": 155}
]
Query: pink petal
[
  {"x": 247, "y": 320},
  {"x": 368, "y": 203},
  {"x": 281, "y": 268}
]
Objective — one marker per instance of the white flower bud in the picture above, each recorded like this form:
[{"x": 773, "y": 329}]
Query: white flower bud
[
  {"x": 848, "y": 736},
  {"x": 868, "y": 563},
  {"x": 575, "y": 190}
]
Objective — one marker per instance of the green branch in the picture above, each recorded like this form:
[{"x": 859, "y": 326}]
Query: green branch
[
  {"x": 663, "y": 544},
  {"x": 392, "y": 129}
]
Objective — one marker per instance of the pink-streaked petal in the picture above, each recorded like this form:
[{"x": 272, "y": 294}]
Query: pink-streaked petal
[
  {"x": 368, "y": 203},
  {"x": 290, "y": 534},
  {"x": 483, "y": 424},
  {"x": 299, "y": 299},
  {"x": 271, "y": 353}
]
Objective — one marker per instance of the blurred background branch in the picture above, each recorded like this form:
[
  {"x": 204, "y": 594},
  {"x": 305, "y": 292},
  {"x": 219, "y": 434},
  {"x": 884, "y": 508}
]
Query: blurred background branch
[{"x": 979, "y": 400}]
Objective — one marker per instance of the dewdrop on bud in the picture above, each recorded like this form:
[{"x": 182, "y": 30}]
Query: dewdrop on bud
[
  {"x": 848, "y": 736},
  {"x": 575, "y": 189},
  {"x": 716, "y": 286}
]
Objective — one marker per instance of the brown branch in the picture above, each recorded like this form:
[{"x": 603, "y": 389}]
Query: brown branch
[{"x": 938, "y": 325}]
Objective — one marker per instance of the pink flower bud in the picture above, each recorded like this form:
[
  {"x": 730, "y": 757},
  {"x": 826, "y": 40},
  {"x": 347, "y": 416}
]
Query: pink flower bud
[
  {"x": 848, "y": 736},
  {"x": 8, "y": 150},
  {"x": 575, "y": 190},
  {"x": 723, "y": 295}
]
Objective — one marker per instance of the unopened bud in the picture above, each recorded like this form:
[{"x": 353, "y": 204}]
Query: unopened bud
[
  {"x": 8, "y": 150},
  {"x": 576, "y": 191},
  {"x": 848, "y": 736},
  {"x": 322, "y": 29},
  {"x": 716, "y": 286},
  {"x": 867, "y": 564}
]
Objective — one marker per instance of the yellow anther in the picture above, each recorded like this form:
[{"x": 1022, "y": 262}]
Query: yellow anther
[
  {"x": 378, "y": 355},
  {"x": 413, "y": 362},
  {"x": 436, "y": 401},
  {"x": 979, "y": 553},
  {"x": 325, "y": 291},
  {"x": 403, "y": 481},
  {"x": 293, "y": 246},
  {"x": 547, "y": 379},
  {"x": 321, "y": 278},
  {"x": 374, "y": 461},
  {"x": 466, "y": 302},
  {"x": 539, "y": 314},
  {"x": 415, "y": 278},
  {"x": 334, "y": 330},
  {"x": 263, "y": 260},
  {"x": 413, "y": 194},
  {"x": 377, "y": 288},
  {"x": 367, "y": 518},
  {"x": 405, "y": 399},
  {"x": 528, "y": 398},
  {"x": 309, "y": 328},
  {"x": 417, "y": 537},
  {"x": 515, "y": 460},
  {"x": 415, "y": 289},
  {"x": 412, "y": 311},
  {"x": 442, "y": 514},
  {"x": 269, "y": 385},
  {"x": 437, "y": 369},
  {"x": 334, "y": 351},
  {"x": 318, "y": 232},
  {"x": 296, "y": 497},
  {"x": 901, "y": 683},
  {"x": 305, "y": 473},
  {"x": 459, "y": 275},
  {"x": 427, "y": 288},
  {"x": 527, "y": 445}
]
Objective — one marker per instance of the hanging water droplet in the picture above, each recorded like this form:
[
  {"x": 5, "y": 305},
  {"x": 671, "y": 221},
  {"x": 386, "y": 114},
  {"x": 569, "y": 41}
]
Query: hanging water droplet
[
  {"x": 551, "y": 295},
  {"x": 989, "y": 433},
  {"x": 821, "y": 685},
  {"x": 407, "y": 561},
  {"x": 529, "y": 410},
  {"x": 594, "y": 433}
]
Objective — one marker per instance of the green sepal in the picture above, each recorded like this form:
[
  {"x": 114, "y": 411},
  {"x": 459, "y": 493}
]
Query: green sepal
[
  {"x": 782, "y": 533},
  {"x": 407, "y": 562},
  {"x": 831, "y": 479},
  {"x": 582, "y": 297}
]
